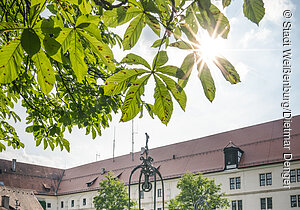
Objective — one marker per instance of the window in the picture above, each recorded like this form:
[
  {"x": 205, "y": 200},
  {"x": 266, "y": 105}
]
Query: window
[
  {"x": 262, "y": 179},
  {"x": 84, "y": 202},
  {"x": 262, "y": 203},
  {"x": 72, "y": 203},
  {"x": 49, "y": 205},
  {"x": 265, "y": 179},
  {"x": 298, "y": 200},
  {"x": 231, "y": 183},
  {"x": 237, "y": 205},
  {"x": 293, "y": 175},
  {"x": 142, "y": 194},
  {"x": 269, "y": 203},
  {"x": 293, "y": 201},
  {"x": 238, "y": 182},
  {"x": 269, "y": 178},
  {"x": 266, "y": 203},
  {"x": 240, "y": 205},
  {"x": 61, "y": 204},
  {"x": 235, "y": 183},
  {"x": 159, "y": 193},
  {"x": 233, "y": 205}
]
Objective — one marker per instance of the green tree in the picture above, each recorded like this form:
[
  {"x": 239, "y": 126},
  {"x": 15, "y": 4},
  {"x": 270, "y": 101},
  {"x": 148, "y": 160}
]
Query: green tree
[
  {"x": 113, "y": 194},
  {"x": 55, "y": 66},
  {"x": 191, "y": 186}
]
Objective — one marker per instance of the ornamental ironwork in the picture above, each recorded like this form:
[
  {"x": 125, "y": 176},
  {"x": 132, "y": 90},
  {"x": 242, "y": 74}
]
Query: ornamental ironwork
[
  {"x": 147, "y": 172},
  {"x": 201, "y": 203}
]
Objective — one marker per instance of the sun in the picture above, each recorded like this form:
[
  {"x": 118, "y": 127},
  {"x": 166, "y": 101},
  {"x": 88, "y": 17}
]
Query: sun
[{"x": 210, "y": 47}]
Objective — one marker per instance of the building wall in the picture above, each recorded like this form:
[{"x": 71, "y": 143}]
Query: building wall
[{"x": 250, "y": 192}]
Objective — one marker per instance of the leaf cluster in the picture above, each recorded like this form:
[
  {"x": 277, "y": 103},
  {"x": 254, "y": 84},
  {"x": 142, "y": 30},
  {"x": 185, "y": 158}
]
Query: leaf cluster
[
  {"x": 192, "y": 187},
  {"x": 57, "y": 65},
  {"x": 112, "y": 195}
]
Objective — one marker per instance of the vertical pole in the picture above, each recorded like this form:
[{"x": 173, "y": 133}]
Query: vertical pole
[
  {"x": 114, "y": 144},
  {"x": 154, "y": 191},
  {"x": 132, "y": 141}
]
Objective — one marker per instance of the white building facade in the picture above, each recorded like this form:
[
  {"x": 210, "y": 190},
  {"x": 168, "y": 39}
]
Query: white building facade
[{"x": 251, "y": 164}]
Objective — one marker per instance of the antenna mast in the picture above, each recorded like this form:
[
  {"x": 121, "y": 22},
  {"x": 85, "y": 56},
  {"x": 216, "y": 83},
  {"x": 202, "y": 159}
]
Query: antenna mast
[
  {"x": 97, "y": 155},
  {"x": 132, "y": 141},
  {"x": 114, "y": 144}
]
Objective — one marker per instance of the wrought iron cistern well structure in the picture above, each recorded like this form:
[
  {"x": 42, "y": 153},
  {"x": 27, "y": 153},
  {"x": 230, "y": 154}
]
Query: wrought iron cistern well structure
[
  {"x": 201, "y": 203},
  {"x": 147, "y": 171}
]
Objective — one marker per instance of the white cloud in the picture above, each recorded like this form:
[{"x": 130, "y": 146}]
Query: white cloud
[
  {"x": 274, "y": 9},
  {"x": 262, "y": 34},
  {"x": 242, "y": 69},
  {"x": 22, "y": 156}
]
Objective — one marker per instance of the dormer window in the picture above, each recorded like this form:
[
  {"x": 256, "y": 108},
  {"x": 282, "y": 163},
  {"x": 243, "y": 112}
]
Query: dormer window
[
  {"x": 91, "y": 182},
  {"x": 46, "y": 187},
  {"x": 233, "y": 156}
]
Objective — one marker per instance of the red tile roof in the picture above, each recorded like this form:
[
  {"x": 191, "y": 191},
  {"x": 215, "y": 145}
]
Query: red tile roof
[
  {"x": 43, "y": 180},
  {"x": 262, "y": 144},
  {"x": 26, "y": 198}
]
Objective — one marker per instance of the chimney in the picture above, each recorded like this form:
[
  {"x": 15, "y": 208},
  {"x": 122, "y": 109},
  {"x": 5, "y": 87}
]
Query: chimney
[
  {"x": 102, "y": 171},
  {"x": 14, "y": 164},
  {"x": 5, "y": 202}
]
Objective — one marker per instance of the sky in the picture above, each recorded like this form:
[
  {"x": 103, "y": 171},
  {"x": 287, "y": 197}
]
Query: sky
[{"x": 256, "y": 53}]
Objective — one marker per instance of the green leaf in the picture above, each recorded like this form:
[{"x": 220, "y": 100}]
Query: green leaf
[
  {"x": 9, "y": 26},
  {"x": 177, "y": 33},
  {"x": 191, "y": 19},
  {"x": 163, "y": 106},
  {"x": 149, "y": 6},
  {"x": 177, "y": 91},
  {"x": 135, "y": 59},
  {"x": 226, "y": 3},
  {"x": 64, "y": 38},
  {"x": 119, "y": 16},
  {"x": 45, "y": 144},
  {"x": 35, "y": 2},
  {"x": 173, "y": 71},
  {"x": 205, "y": 4},
  {"x": 254, "y": 10},
  {"x": 131, "y": 106},
  {"x": 133, "y": 32},
  {"x": 10, "y": 61},
  {"x": 153, "y": 23},
  {"x": 92, "y": 29},
  {"x": 222, "y": 26},
  {"x": 227, "y": 70},
  {"x": 181, "y": 45},
  {"x": 119, "y": 81},
  {"x": 85, "y": 7},
  {"x": 30, "y": 41},
  {"x": 53, "y": 48},
  {"x": 2, "y": 147},
  {"x": 77, "y": 58},
  {"x": 94, "y": 133},
  {"x": 187, "y": 30},
  {"x": 187, "y": 67},
  {"x": 206, "y": 80},
  {"x": 45, "y": 72},
  {"x": 160, "y": 59},
  {"x": 102, "y": 50},
  {"x": 149, "y": 108},
  {"x": 158, "y": 42},
  {"x": 90, "y": 19},
  {"x": 29, "y": 129},
  {"x": 38, "y": 142}
]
